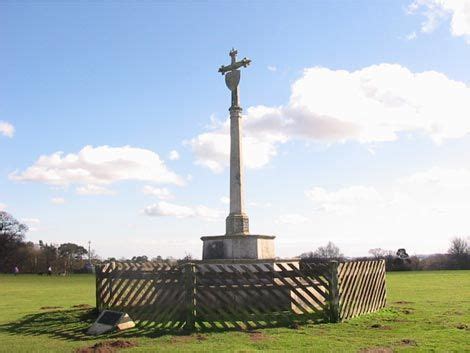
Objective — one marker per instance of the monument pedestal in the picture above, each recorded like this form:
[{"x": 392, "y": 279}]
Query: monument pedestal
[{"x": 221, "y": 247}]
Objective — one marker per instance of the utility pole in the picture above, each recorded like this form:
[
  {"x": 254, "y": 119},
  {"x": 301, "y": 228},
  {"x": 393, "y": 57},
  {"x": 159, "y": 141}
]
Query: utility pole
[{"x": 89, "y": 252}]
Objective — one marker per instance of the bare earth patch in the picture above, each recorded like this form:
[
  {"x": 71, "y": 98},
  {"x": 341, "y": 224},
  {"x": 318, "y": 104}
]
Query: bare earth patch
[
  {"x": 403, "y": 302},
  {"x": 256, "y": 336},
  {"x": 82, "y": 306},
  {"x": 462, "y": 326},
  {"x": 380, "y": 327},
  {"x": 376, "y": 350},
  {"x": 107, "y": 347},
  {"x": 407, "y": 311},
  {"x": 188, "y": 338},
  {"x": 51, "y": 307},
  {"x": 408, "y": 342}
]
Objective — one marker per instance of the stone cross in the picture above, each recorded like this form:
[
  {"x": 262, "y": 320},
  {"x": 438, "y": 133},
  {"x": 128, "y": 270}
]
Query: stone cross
[{"x": 237, "y": 221}]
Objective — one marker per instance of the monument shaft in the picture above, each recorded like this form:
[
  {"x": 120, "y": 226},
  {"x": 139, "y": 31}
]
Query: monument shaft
[
  {"x": 236, "y": 163},
  {"x": 237, "y": 221}
]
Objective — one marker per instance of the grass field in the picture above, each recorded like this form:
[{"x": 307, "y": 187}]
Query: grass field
[{"x": 426, "y": 311}]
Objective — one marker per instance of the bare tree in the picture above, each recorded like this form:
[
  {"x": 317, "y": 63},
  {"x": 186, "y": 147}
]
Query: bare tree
[
  {"x": 380, "y": 253},
  {"x": 458, "y": 247},
  {"x": 328, "y": 252}
]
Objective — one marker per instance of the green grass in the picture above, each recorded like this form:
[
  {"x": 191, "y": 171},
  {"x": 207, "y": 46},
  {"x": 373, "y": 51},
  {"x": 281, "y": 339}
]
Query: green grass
[{"x": 426, "y": 311}]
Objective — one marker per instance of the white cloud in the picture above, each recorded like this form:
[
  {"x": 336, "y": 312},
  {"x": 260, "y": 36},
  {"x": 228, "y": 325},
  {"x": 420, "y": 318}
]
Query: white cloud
[
  {"x": 292, "y": 219},
  {"x": 437, "y": 189},
  {"x": 371, "y": 105},
  {"x": 161, "y": 193},
  {"x": 32, "y": 223},
  {"x": 411, "y": 36},
  {"x": 100, "y": 165},
  {"x": 7, "y": 129},
  {"x": 90, "y": 189},
  {"x": 272, "y": 68},
  {"x": 226, "y": 200},
  {"x": 163, "y": 208},
  {"x": 436, "y": 11},
  {"x": 259, "y": 204},
  {"x": 174, "y": 155},
  {"x": 420, "y": 212},
  {"x": 212, "y": 149},
  {"x": 58, "y": 200},
  {"x": 344, "y": 200}
]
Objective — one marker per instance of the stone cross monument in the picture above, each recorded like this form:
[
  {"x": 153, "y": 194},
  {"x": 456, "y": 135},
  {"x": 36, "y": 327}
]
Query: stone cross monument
[
  {"x": 237, "y": 243},
  {"x": 237, "y": 220}
]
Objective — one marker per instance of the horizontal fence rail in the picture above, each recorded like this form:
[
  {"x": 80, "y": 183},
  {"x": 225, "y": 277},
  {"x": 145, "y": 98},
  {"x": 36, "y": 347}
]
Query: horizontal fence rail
[{"x": 201, "y": 295}]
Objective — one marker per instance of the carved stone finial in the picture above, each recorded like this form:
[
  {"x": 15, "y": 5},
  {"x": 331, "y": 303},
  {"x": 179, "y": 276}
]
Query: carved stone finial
[{"x": 233, "y": 54}]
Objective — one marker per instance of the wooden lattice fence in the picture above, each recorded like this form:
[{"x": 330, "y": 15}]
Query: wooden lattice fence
[
  {"x": 361, "y": 287},
  {"x": 201, "y": 295}
]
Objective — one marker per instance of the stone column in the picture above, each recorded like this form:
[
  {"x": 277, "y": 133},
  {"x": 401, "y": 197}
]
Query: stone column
[{"x": 237, "y": 220}]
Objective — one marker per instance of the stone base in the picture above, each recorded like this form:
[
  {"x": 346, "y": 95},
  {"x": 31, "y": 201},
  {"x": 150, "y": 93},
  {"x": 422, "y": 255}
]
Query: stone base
[
  {"x": 237, "y": 224},
  {"x": 238, "y": 247}
]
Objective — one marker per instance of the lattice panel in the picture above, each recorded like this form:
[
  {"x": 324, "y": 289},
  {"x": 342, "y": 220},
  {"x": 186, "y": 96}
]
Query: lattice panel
[
  {"x": 361, "y": 287},
  {"x": 257, "y": 295},
  {"x": 148, "y": 292}
]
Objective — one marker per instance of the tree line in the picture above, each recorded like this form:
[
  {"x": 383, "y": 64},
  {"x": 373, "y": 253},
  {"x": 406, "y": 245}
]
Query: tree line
[
  {"x": 65, "y": 258},
  {"x": 457, "y": 257},
  {"x": 28, "y": 257}
]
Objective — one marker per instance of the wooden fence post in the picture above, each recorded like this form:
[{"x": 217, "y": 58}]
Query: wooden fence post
[
  {"x": 190, "y": 296},
  {"x": 97, "y": 287},
  {"x": 334, "y": 292}
]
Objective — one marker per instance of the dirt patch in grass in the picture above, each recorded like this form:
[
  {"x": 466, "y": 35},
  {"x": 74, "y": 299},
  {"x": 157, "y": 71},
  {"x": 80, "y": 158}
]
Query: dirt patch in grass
[
  {"x": 376, "y": 350},
  {"x": 408, "y": 342},
  {"x": 396, "y": 320},
  {"x": 51, "y": 307},
  {"x": 256, "y": 336},
  {"x": 188, "y": 338},
  {"x": 181, "y": 339},
  {"x": 401, "y": 302},
  {"x": 462, "y": 326},
  {"x": 107, "y": 347},
  {"x": 82, "y": 306},
  {"x": 380, "y": 327},
  {"x": 407, "y": 311}
]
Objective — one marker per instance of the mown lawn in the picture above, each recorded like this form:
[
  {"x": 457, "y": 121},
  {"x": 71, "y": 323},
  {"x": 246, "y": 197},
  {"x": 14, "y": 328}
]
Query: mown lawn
[{"x": 427, "y": 311}]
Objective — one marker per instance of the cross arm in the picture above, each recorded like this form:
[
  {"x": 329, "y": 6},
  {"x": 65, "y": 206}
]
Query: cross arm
[{"x": 242, "y": 63}]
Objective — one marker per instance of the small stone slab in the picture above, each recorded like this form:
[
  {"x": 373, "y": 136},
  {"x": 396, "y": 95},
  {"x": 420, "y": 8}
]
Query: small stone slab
[{"x": 110, "y": 320}]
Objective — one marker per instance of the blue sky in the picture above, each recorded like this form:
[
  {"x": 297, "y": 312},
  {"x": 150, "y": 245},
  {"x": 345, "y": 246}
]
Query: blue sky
[{"x": 357, "y": 122}]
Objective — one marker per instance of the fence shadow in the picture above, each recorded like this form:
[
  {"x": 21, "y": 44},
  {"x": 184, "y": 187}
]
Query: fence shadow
[
  {"x": 64, "y": 324},
  {"x": 71, "y": 325}
]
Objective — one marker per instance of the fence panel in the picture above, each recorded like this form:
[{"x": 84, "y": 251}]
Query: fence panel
[
  {"x": 258, "y": 295},
  {"x": 149, "y": 292},
  {"x": 361, "y": 287}
]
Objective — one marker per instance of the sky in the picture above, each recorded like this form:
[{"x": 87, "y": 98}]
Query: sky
[{"x": 356, "y": 118}]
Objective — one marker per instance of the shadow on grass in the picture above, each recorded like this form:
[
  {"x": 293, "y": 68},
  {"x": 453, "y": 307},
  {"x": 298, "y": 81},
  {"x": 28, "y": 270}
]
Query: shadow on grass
[
  {"x": 66, "y": 324},
  {"x": 72, "y": 325}
]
